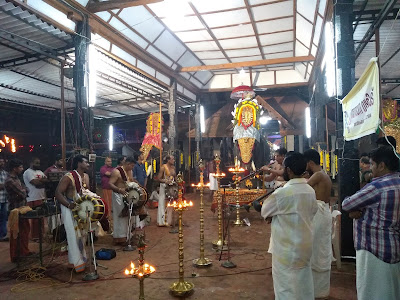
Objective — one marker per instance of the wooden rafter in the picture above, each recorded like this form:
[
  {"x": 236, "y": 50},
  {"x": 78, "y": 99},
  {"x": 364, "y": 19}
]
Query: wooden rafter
[
  {"x": 253, "y": 24},
  {"x": 199, "y": 16},
  {"x": 94, "y": 7},
  {"x": 274, "y": 61},
  {"x": 280, "y": 115}
]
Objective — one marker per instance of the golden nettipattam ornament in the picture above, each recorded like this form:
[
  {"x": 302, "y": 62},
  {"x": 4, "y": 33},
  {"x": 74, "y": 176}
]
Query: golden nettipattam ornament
[
  {"x": 246, "y": 114},
  {"x": 181, "y": 288}
]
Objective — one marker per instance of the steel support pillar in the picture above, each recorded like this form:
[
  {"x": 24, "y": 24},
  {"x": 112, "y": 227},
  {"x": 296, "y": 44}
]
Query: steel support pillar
[
  {"x": 348, "y": 165},
  {"x": 83, "y": 114}
]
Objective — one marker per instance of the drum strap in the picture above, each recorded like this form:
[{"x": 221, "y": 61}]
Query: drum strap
[
  {"x": 77, "y": 181},
  {"x": 123, "y": 174}
]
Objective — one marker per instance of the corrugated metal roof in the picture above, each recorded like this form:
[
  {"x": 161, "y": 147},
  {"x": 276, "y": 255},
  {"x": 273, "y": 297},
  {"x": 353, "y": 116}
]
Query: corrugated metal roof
[{"x": 21, "y": 31}]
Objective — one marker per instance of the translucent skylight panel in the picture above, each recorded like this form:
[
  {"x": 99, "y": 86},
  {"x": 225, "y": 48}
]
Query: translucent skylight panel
[
  {"x": 278, "y": 48},
  {"x": 227, "y": 18},
  {"x": 105, "y": 15},
  {"x": 307, "y": 8},
  {"x": 243, "y": 52},
  {"x": 271, "y": 11},
  {"x": 193, "y": 36},
  {"x": 188, "y": 59},
  {"x": 275, "y": 38},
  {"x": 203, "y": 46},
  {"x": 140, "y": 19},
  {"x": 215, "y": 61},
  {"x": 170, "y": 45},
  {"x": 153, "y": 51},
  {"x": 184, "y": 23},
  {"x": 213, "y": 5},
  {"x": 274, "y": 25},
  {"x": 233, "y": 31},
  {"x": 303, "y": 30},
  {"x": 244, "y": 42},
  {"x": 210, "y": 55}
]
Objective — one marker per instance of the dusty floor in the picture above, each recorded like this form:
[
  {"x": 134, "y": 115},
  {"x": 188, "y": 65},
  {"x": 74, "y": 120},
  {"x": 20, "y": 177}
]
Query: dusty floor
[{"x": 251, "y": 279}]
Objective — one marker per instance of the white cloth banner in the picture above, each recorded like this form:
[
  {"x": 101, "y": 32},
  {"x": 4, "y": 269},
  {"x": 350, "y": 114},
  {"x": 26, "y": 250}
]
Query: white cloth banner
[{"x": 361, "y": 104}]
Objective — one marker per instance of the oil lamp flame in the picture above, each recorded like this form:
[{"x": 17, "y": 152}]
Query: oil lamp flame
[{"x": 126, "y": 272}]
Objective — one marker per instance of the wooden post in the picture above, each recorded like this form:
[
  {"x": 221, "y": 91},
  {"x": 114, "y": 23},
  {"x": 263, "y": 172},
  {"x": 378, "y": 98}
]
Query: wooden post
[
  {"x": 63, "y": 144},
  {"x": 189, "y": 184},
  {"x": 161, "y": 130}
]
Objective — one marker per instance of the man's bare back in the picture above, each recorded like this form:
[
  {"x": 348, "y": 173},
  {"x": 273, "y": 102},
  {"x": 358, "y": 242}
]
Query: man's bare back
[{"x": 322, "y": 185}]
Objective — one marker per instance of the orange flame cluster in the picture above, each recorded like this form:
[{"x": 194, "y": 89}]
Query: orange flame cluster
[
  {"x": 10, "y": 141},
  {"x": 218, "y": 174},
  {"x": 199, "y": 185},
  {"x": 141, "y": 271},
  {"x": 180, "y": 204},
  {"x": 236, "y": 169}
]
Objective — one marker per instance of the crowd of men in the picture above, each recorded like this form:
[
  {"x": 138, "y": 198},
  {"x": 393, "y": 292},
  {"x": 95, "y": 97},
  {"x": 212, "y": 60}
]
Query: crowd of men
[
  {"x": 301, "y": 224},
  {"x": 298, "y": 210}
]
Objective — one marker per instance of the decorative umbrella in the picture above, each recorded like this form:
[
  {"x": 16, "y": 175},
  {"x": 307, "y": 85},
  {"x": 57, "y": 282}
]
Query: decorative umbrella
[{"x": 241, "y": 92}]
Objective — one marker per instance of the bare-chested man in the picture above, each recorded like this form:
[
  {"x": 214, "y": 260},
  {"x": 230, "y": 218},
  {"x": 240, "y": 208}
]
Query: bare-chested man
[
  {"x": 275, "y": 170},
  {"x": 69, "y": 190},
  {"x": 322, "y": 231},
  {"x": 165, "y": 176},
  {"x": 120, "y": 176}
]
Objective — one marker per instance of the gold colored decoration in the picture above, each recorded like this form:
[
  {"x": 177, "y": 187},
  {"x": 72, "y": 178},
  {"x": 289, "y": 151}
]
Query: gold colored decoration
[
  {"x": 246, "y": 148},
  {"x": 237, "y": 170},
  {"x": 327, "y": 160},
  {"x": 393, "y": 129},
  {"x": 145, "y": 149},
  {"x": 141, "y": 272},
  {"x": 181, "y": 288},
  {"x": 249, "y": 184},
  {"x": 202, "y": 261},
  {"x": 389, "y": 108},
  {"x": 219, "y": 244}
]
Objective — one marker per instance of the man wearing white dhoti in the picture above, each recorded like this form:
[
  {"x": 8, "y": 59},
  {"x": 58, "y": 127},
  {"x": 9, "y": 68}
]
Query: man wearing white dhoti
[
  {"x": 118, "y": 183},
  {"x": 70, "y": 189},
  {"x": 376, "y": 229},
  {"x": 166, "y": 177},
  {"x": 321, "y": 258},
  {"x": 291, "y": 210}
]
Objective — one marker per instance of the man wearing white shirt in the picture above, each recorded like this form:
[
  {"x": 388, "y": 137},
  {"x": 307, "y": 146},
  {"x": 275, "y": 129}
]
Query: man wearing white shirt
[
  {"x": 35, "y": 181},
  {"x": 291, "y": 210}
]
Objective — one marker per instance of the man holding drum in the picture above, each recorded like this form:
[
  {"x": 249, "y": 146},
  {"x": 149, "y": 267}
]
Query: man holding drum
[
  {"x": 165, "y": 176},
  {"x": 68, "y": 191},
  {"x": 118, "y": 183}
]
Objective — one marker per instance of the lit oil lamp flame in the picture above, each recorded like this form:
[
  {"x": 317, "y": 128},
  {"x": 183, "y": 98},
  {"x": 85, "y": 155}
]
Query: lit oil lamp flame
[
  {"x": 126, "y": 272},
  {"x": 132, "y": 265},
  {"x": 190, "y": 203},
  {"x": 152, "y": 269}
]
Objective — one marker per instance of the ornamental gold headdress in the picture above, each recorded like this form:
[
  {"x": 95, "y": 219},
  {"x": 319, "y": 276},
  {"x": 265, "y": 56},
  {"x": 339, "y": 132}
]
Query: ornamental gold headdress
[
  {"x": 246, "y": 114},
  {"x": 152, "y": 137}
]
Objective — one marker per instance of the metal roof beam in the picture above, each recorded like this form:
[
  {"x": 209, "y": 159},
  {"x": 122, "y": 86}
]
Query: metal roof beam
[
  {"x": 130, "y": 87},
  {"x": 357, "y": 20},
  {"x": 32, "y": 76},
  {"x": 95, "y": 7},
  {"x": 371, "y": 15},
  {"x": 387, "y": 8},
  {"x": 249, "y": 63},
  {"x": 32, "y": 24},
  {"x": 28, "y": 44}
]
